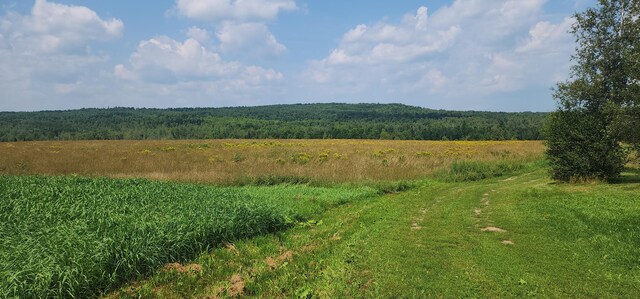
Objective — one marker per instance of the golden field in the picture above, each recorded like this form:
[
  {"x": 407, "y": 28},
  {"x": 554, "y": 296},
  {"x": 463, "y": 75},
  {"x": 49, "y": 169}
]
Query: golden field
[{"x": 236, "y": 161}]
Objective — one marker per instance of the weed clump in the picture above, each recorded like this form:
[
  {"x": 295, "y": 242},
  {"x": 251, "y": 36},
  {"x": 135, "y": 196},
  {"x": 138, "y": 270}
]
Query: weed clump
[
  {"x": 238, "y": 157},
  {"x": 424, "y": 154},
  {"x": 300, "y": 158},
  {"x": 323, "y": 157}
]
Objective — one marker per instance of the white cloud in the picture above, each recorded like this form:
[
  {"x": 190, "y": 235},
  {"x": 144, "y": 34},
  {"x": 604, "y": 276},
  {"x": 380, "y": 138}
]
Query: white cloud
[
  {"x": 162, "y": 59},
  {"x": 546, "y": 36},
  {"x": 46, "y": 53},
  {"x": 243, "y": 10},
  {"x": 200, "y": 70},
  {"x": 251, "y": 38},
  {"x": 239, "y": 24},
  {"x": 471, "y": 49},
  {"x": 383, "y": 50},
  {"x": 120, "y": 71},
  {"x": 388, "y": 43},
  {"x": 199, "y": 34},
  {"x": 53, "y": 27},
  {"x": 169, "y": 73}
]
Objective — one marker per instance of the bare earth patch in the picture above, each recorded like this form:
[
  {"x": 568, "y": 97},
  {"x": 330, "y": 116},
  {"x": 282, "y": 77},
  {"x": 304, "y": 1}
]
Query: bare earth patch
[
  {"x": 237, "y": 286},
  {"x": 286, "y": 256},
  {"x": 493, "y": 229},
  {"x": 507, "y": 242},
  {"x": 274, "y": 263},
  {"x": 477, "y": 212},
  {"x": 271, "y": 263}
]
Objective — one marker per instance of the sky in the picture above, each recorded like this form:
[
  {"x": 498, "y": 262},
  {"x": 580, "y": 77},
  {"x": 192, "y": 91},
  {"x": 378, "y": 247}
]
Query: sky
[{"x": 490, "y": 55}]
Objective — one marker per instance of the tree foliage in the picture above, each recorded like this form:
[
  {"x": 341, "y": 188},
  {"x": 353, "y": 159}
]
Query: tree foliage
[
  {"x": 300, "y": 121},
  {"x": 598, "y": 106},
  {"x": 579, "y": 147}
]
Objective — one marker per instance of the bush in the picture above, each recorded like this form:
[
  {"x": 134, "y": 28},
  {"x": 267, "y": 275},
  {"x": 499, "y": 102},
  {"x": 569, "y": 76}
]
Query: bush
[{"x": 581, "y": 148}]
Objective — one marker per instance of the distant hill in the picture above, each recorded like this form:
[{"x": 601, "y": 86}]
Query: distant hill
[{"x": 299, "y": 121}]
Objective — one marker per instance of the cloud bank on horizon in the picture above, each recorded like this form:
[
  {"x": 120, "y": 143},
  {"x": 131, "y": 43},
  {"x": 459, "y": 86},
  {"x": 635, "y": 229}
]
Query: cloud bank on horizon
[{"x": 501, "y": 55}]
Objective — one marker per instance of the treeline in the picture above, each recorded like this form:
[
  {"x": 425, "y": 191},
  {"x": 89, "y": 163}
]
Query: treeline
[{"x": 299, "y": 121}]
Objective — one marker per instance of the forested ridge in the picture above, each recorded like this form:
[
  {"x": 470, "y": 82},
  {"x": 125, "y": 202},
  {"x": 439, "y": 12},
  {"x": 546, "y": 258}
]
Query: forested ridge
[{"x": 299, "y": 121}]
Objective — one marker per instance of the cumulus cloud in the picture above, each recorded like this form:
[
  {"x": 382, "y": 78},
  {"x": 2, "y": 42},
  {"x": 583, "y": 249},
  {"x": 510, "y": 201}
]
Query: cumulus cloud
[
  {"x": 164, "y": 59},
  {"x": 471, "y": 49},
  {"x": 251, "y": 38},
  {"x": 53, "y": 27},
  {"x": 46, "y": 53},
  {"x": 199, "y": 34},
  {"x": 545, "y": 36},
  {"x": 243, "y": 10},
  {"x": 384, "y": 48},
  {"x": 201, "y": 70},
  {"x": 239, "y": 24}
]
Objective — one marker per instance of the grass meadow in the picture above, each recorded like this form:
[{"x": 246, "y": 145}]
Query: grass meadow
[
  {"x": 309, "y": 219},
  {"x": 241, "y": 162}
]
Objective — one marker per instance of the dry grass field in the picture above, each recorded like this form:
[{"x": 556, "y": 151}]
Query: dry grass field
[{"x": 241, "y": 161}]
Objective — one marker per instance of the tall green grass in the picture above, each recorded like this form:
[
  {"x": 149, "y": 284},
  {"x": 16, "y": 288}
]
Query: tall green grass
[
  {"x": 78, "y": 237},
  {"x": 469, "y": 171}
]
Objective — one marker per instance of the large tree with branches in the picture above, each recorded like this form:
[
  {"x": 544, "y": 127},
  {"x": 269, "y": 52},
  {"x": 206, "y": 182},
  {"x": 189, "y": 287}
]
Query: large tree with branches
[{"x": 599, "y": 106}]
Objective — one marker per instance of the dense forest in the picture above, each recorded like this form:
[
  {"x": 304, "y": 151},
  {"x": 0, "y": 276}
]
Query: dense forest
[{"x": 300, "y": 121}]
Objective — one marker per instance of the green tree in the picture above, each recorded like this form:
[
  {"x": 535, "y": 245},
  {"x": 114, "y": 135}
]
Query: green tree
[{"x": 598, "y": 105}]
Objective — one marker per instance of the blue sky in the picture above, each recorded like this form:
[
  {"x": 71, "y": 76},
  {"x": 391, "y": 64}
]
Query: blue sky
[{"x": 499, "y": 55}]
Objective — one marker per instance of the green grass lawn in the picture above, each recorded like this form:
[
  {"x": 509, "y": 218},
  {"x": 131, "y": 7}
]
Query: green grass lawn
[{"x": 557, "y": 241}]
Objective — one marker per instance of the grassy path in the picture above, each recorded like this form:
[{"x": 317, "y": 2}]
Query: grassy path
[{"x": 507, "y": 237}]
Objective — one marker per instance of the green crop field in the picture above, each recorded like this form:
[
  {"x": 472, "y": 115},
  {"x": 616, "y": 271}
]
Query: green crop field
[{"x": 75, "y": 237}]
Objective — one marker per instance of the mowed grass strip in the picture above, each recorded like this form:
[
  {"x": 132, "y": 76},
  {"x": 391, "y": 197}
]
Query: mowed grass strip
[
  {"x": 78, "y": 237},
  {"x": 519, "y": 235}
]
